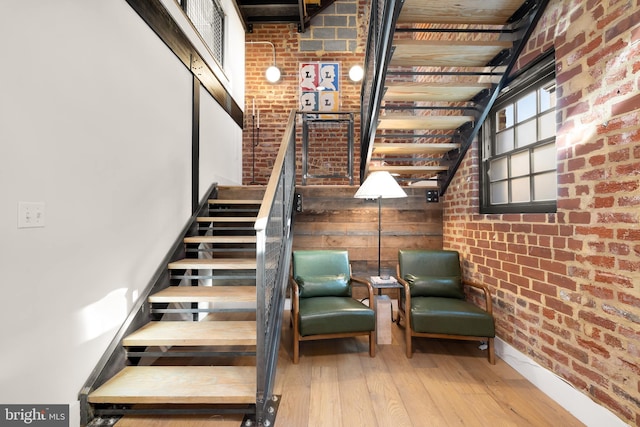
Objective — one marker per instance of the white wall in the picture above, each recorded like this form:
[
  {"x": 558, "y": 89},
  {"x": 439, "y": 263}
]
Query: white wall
[
  {"x": 220, "y": 146},
  {"x": 95, "y": 121}
]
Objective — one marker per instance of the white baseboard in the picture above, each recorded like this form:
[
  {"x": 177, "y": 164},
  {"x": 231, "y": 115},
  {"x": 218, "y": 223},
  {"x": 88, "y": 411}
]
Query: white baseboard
[{"x": 577, "y": 403}]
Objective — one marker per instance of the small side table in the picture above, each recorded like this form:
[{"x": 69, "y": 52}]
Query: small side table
[{"x": 383, "y": 307}]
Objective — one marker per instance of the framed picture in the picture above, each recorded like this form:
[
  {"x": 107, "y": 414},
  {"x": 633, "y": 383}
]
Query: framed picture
[{"x": 319, "y": 86}]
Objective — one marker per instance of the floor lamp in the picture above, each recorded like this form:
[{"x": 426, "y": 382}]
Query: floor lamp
[{"x": 380, "y": 185}]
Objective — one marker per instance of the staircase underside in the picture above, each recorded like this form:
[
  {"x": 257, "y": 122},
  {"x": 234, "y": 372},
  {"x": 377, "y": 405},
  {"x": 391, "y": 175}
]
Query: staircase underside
[
  {"x": 446, "y": 63},
  {"x": 298, "y": 12}
]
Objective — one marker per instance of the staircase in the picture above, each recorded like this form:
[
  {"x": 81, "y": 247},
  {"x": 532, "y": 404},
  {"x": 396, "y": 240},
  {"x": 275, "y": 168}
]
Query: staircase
[
  {"x": 435, "y": 69},
  {"x": 197, "y": 354}
]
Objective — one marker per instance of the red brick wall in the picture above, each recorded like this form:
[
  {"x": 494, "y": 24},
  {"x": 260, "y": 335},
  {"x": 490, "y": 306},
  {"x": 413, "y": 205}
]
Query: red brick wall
[
  {"x": 274, "y": 101},
  {"x": 567, "y": 285}
]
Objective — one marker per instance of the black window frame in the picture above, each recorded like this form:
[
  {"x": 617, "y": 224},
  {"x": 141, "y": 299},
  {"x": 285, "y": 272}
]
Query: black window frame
[
  {"x": 536, "y": 75},
  {"x": 217, "y": 50}
]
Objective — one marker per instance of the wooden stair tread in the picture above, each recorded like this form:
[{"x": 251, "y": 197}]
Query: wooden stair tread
[
  {"x": 446, "y": 53},
  {"x": 211, "y": 294},
  {"x": 185, "y": 333},
  {"x": 179, "y": 384},
  {"x": 220, "y": 239},
  {"x": 214, "y": 264},
  {"x": 407, "y": 149},
  {"x": 235, "y": 202},
  {"x": 446, "y": 92},
  {"x": 226, "y": 219},
  {"x": 423, "y": 122},
  {"x": 488, "y": 12},
  {"x": 408, "y": 170}
]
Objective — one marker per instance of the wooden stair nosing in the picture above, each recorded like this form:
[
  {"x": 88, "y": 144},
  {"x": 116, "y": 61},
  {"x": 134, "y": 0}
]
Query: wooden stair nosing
[
  {"x": 445, "y": 53},
  {"x": 406, "y": 148},
  {"x": 426, "y": 92},
  {"x": 234, "y": 202},
  {"x": 422, "y": 122},
  {"x": 409, "y": 170},
  {"x": 214, "y": 264},
  {"x": 209, "y": 294},
  {"x": 225, "y": 219},
  {"x": 220, "y": 239},
  {"x": 486, "y": 12},
  {"x": 191, "y": 333},
  {"x": 179, "y": 385}
]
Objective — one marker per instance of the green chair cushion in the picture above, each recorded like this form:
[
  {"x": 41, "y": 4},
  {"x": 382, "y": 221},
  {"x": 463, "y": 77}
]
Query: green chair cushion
[
  {"x": 324, "y": 286},
  {"x": 430, "y": 286},
  {"x": 332, "y": 315},
  {"x": 450, "y": 316}
]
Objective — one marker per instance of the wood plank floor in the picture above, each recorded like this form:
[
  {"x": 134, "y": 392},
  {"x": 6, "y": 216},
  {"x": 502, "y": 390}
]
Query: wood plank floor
[{"x": 446, "y": 383}]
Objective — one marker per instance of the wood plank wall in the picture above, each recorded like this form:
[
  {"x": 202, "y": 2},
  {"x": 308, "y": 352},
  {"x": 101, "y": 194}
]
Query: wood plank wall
[{"x": 332, "y": 219}]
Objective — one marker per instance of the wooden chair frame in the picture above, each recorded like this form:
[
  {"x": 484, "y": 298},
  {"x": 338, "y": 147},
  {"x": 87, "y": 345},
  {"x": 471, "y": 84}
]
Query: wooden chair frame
[
  {"x": 295, "y": 310},
  {"x": 404, "y": 309}
]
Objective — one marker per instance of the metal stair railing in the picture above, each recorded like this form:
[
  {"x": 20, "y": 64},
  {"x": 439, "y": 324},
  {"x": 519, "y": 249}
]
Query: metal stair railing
[{"x": 273, "y": 256}]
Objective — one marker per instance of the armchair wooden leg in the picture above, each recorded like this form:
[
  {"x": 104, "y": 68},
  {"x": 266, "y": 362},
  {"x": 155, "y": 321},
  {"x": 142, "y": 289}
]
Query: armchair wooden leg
[
  {"x": 491, "y": 351},
  {"x": 296, "y": 339},
  {"x": 372, "y": 343},
  {"x": 296, "y": 348},
  {"x": 407, "y": 338}
]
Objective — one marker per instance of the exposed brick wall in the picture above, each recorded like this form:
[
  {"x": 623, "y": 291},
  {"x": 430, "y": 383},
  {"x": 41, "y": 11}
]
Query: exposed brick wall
[
  {"x": 567, "y": 285},
  {"x": 333, "y": 33}
]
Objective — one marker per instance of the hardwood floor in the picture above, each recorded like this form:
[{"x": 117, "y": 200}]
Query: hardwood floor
[{"x": 446, "y": 383}]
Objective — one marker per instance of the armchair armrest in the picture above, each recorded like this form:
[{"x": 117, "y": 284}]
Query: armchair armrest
[
  {"x": 406, "y": 294},
  {"x": 487, "y": 294},
  {"x": 365, "y": 282},
  {"x": 295, "y": 296}
]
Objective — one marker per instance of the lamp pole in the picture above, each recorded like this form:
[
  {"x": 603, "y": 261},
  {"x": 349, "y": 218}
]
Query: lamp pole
[{"x": 379, "y": 230}]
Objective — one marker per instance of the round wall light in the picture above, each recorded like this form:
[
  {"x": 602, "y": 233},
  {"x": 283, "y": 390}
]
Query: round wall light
[
  {"x": 273, "y": 74},
  {"x": 356, "y": 73}
]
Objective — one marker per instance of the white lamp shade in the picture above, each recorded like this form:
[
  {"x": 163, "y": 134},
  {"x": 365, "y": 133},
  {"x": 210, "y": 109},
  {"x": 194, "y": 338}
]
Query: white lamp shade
[
  {"x": 380, "y": 184},
  {"x": 273, "y": 74}
]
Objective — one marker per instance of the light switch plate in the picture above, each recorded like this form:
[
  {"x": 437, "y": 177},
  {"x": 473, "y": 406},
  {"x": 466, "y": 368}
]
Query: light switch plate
[{"x": 30, "y": 214}]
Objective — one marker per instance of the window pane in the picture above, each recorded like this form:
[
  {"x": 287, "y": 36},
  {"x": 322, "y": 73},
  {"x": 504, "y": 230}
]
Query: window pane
[
  {"x": 520, "y": 190},
  {"x": 504, "y": 141},
  {"x": 208, "y": 18},
  {"x": 526, "y": 134},
  {"x": 520, "y": 164},
  {"x": 547, "y": 125},
  {"x": 544, "y": 186},
  {"x": 499, "y": 193},
  {"x": 548, "y": 97},
  {"x": 519, "y": 159},
  {"x": 504, "y": 118},
  {"x": 526, "y": 107},
  {"x": 544, "y": 158},
  {"x": 498, "y": 169}
]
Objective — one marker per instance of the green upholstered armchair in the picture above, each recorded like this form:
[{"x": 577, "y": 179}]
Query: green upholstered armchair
[
  {"x": 322, "y": 306},
  {"x": 432, "y": 302}
]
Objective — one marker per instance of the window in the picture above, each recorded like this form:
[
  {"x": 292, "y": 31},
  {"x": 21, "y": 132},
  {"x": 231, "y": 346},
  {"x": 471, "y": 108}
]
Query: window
[
  {"x": 519, "y": 144},
  {"x": 207, "y": 17}
]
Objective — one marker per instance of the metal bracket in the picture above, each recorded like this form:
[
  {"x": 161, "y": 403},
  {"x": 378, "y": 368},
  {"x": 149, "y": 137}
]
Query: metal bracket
[{"x": 269, "y": 416}]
